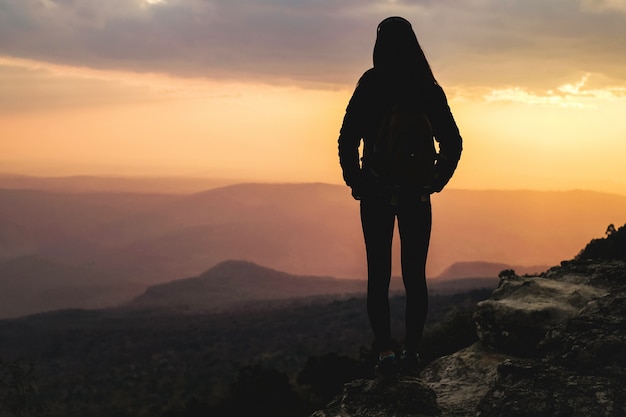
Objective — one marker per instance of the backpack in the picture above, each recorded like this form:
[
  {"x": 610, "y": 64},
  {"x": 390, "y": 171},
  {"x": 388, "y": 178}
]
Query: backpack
[{"x": 403, "y": 152}]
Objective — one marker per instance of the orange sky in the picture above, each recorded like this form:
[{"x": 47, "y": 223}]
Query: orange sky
[{"x": 153, "y": 88}]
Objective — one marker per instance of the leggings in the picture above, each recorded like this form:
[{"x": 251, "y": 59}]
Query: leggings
[{"x": 414, "y": 225}]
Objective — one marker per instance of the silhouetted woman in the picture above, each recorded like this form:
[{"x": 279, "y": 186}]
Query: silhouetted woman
[{"x": 400, "y": 78}]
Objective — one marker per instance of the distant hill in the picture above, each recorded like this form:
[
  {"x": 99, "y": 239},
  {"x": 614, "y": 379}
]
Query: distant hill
[
  {"x": 477, "y": 269},
  {"x": 466, "y": 276},
  {"x": 98, "y": 184},
  {"x": 236, "y": 283}
]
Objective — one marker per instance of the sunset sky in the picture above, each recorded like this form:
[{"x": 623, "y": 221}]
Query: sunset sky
[{"x": 256, "y": 89}]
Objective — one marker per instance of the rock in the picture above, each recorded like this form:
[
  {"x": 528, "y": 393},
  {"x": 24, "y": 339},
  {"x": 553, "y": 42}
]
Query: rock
[
  {"x": 383, "y": 397},
  {"x": 593, "y": 342},
  {"x": 522, "y": 309},
  {"x": 534, "y": 388},
  {"x": 462, "y": 379},
  {"x": 580, "y": 369}
]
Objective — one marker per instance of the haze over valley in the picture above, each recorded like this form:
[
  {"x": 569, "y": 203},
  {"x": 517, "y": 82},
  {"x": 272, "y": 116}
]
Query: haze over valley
[{"x": 87, "y": 249}]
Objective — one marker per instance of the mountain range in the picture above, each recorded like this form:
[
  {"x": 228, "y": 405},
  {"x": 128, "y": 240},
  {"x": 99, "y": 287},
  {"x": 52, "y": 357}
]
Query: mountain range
[
  {"x": 240, "y": 284},
  {"x": 129, "y": 241}
]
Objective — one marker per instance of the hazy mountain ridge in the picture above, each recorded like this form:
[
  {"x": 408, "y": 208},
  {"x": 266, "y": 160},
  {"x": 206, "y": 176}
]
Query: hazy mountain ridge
[
  {"x": 297, "y": 228},
  {"x": 33, "y": 221},
  {"x": 239, "y": 222},
  {"x": 91, "y": 184},
  {"x": 492, "y": 226},
  {"x": 303, "y": 229},
  {"x": 236, "y": 283}
]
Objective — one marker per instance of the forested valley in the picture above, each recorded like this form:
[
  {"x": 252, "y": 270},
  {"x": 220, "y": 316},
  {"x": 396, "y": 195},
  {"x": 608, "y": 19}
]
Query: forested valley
[{"x": 283, "y": 358}]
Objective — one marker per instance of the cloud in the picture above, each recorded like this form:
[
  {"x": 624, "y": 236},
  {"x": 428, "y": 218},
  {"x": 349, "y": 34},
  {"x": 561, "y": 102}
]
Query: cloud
[
  {"x": 38, "y": 86},
  {"x": 266, "y": 40},
  {"x": 321, "y": 42},
  {"x": 571, "y": 95}
]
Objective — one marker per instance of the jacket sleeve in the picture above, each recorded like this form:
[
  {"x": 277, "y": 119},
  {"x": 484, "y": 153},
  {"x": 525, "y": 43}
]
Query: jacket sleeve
[
  {"x": 352, "y": 131},
  {"x": 447, "y": 135}
]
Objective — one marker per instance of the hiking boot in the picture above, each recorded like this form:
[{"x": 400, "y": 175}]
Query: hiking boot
[
  {"x": 386, "y": 365},
  {"x": 410, "y": 363}
]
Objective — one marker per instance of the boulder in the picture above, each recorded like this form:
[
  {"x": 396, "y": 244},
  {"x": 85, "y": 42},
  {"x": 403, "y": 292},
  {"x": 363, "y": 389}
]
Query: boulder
[
  {"x": 460, "y": 380},
  {"x": 523, "y": 309}
]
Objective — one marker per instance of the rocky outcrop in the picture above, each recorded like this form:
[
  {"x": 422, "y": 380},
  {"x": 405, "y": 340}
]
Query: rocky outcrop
[
  {"x": 580, "y": 366},
  {"x": 522, "y": 309},
  {"x": 550, "y": 345}
]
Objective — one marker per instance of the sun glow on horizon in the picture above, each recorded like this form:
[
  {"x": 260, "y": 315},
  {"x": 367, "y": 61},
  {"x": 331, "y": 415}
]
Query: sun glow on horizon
[
  {"x": 570, "y": 137},
  {"x": 114, "y": 122},
  {"x": 168, "y": 125}
]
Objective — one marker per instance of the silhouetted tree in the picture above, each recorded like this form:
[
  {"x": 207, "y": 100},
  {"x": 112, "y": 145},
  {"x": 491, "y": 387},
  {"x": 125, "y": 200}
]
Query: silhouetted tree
[
  {"x": 610, "y": 230},
  {"x": 613, "y": 246}
]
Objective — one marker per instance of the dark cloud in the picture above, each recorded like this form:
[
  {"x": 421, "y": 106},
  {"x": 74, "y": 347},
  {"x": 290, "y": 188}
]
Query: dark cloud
[
  {"x": 532, "y": 42},
  {"x": 266, "y": 40}
]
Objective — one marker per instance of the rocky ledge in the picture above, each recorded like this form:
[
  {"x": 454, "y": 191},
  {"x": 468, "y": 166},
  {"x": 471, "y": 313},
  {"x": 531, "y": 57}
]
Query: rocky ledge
[{"x": 578, "y": 368}]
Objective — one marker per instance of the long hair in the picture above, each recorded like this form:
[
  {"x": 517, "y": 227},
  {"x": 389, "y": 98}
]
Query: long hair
[{"x": 398, "y": 54}]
